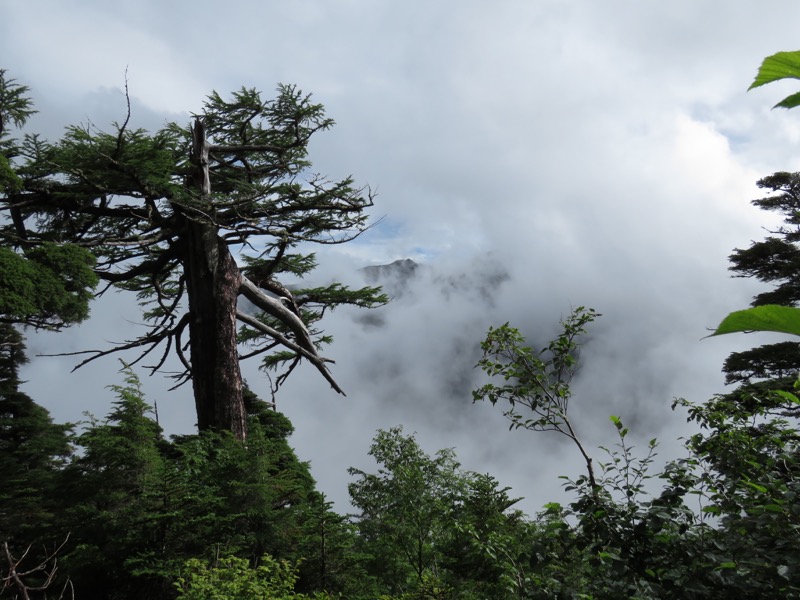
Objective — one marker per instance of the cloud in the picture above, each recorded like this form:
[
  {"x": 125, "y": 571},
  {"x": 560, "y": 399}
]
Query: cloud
[
  {"x": 92, "y": 48},
  {"x": 533, "y": 156}
]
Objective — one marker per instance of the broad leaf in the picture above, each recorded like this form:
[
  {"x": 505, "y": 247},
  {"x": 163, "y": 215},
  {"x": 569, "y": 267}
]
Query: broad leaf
[
  {"x": 770, "y": 317},
  {"x": 792, "y": 101},
  {"x": 783, "y": 65},
  {"x": 787, "y": 396}
]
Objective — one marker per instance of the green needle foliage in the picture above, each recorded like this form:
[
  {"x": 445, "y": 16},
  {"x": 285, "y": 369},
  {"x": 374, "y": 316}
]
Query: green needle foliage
[
  {"x": 783, "y": 65},
  {"x": 45, "y": 286},
  {"x": 139, "y": 506},
  {"x": 189, "y": 219},
  {"x": 33, "y": 450},
  {"x": 130, "y": 514},
  {"x": 768, "y": 373}
]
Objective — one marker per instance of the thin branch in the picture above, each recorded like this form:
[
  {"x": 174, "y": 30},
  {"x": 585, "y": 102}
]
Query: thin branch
[
  {"x": 248, "y": 148},
  {"x": 152, "y": 339},
  {"x": 120, "y": 136},
  {"x": 16, "y": 577},
  {"x": 280, "y": 379}
]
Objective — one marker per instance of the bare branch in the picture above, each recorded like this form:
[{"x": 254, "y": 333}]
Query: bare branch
[
  {"x": 312, "y": 357},
  {"x": 152, "y": 340},
  {"x": 47, "y": 569},
  {"x": 276, "y": 308},
  {"x": 121, "y": 135},
  {"x": 143, "y": 268},
  {"x": 248, "y": 148}
]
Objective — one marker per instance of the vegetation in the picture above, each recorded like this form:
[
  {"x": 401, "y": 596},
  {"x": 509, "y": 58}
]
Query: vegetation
[
  {"x": 160, "y": 215},
  {"x": 233, "y": 578},
  {"x": 111, "y": 509}
]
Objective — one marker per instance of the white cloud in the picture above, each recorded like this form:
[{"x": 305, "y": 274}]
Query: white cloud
[{"x": 75, "y": 49}]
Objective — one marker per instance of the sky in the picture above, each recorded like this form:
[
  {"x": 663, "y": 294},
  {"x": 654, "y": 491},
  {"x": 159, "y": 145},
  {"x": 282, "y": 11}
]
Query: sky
[{"x": 533, "y": 156}]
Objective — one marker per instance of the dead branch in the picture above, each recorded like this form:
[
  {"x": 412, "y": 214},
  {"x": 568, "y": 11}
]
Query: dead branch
[
  {"x": 277, "y": 309},
  {"x": 47, "y": 569},
  {"x": 312, "y": 357}
]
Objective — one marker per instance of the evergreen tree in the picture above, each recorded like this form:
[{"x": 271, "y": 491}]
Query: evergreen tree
[
  {"x": 110, "y": 492},
  {"x": 165, "y": 214},
  {"x": 140, "y": 506},
  {"x": 47, "y": 285},
  {"x": 775, "y": 260},
  {"x": 32, "y": 451},
  {"x": 332, "y": 561}
]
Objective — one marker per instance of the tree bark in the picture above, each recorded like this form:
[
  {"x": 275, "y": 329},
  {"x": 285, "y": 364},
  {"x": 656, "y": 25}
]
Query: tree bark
[{"x": 212, "y": 285}]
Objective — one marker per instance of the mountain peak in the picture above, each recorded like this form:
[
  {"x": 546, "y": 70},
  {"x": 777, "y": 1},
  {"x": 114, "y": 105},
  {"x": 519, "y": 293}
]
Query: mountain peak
[{"x": 402, "y": 269}]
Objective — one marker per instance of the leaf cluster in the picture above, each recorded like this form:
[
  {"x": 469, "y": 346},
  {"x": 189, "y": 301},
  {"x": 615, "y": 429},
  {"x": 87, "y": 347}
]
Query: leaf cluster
[
  {"x": 232, "y": 578},
  {"x": 536, "y": 380},
  {"x": 432, "y": 530}
]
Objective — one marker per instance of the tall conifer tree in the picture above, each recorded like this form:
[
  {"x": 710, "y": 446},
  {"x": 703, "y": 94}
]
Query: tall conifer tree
[
  {"x": 32, "y": 451},
  {"x": 167, "y": 214}
]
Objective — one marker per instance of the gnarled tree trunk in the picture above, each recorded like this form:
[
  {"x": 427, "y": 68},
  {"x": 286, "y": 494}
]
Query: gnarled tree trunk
[{"x": 212, "y": 284}]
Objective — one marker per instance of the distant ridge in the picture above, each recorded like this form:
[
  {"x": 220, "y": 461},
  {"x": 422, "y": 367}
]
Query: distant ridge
[{"x": 402, "y": 269}]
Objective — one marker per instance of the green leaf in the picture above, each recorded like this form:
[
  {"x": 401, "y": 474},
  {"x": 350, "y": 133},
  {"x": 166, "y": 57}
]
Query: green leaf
[
  {"x": 783, "y": 65},
  {"x": 757, "y": 487},
  {"x": 787, "y": 396},
  {"x": 770, "y": 317},
  {"x": 789, "y": 102}
]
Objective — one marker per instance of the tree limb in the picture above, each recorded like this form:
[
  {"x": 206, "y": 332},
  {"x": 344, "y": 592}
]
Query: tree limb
[
  {"x": 16, "y": 577},
  {"x": 276, "y": 308},
  {"x": 312, "y": 356}
]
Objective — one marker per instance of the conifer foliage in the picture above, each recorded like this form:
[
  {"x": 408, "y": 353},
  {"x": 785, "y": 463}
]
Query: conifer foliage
[
  {"x": 138, "y": 506},
  {"x": 166, "y": 216},
  {"x": 33, "y": 450},
  {"x": 46, "y": 285},
  {"x": 776, "y": 261}
]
